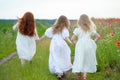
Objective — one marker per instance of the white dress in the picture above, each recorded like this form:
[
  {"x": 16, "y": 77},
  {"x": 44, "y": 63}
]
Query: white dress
[
  {"x": 26, "y": 46},
  {"x": 59, "y": 58},
  {"x": 85, "y": 52}
]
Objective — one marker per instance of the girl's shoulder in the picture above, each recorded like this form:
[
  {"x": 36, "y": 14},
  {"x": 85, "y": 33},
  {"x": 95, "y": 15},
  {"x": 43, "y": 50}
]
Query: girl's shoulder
[
  {"x": 77, "y": 29},
  {"x": 49, "y": 32},
  {"x": 64, "y": 29},
  {"x": 49, "y": 29}
]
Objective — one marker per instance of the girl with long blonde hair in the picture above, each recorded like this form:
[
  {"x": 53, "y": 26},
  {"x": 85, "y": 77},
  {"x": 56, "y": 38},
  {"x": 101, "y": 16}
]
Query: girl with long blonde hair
[
  {"x": 85, "y": 47},
  {"x": 59, "y": 58}
]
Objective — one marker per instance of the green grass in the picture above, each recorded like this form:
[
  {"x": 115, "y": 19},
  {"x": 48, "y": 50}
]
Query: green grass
[
  {"x": 7, "y": 38},
  {"x": 108, "y": 57},
  {"x": 38, "y": 70}
]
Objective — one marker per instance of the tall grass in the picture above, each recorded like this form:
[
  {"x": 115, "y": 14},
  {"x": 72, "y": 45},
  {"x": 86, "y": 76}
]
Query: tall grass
[
  {"x": 37, "y": 70},
  {"x": 7, "y": 38},
  {"x": 108, "y": 57}
]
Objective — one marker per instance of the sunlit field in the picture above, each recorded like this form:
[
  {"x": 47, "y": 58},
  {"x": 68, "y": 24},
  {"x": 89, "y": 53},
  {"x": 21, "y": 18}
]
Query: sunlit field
[{"x": 108, "y": 53}]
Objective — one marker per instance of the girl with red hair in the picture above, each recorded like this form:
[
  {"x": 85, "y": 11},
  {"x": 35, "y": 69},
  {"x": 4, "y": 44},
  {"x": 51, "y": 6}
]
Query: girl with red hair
[{"x": 26, "y": 37}]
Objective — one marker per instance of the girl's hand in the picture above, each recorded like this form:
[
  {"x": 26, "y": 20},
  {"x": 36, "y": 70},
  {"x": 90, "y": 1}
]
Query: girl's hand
[
  {"x": 97, "y": 36},
  {"x": 73, "y": 44},
  {"x": 37, "y": 41},
  {"x": 73, "y": 39},
  {"x": 19, "y": 19}
]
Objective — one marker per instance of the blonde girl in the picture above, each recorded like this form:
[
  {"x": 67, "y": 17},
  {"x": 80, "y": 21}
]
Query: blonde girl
[
  {"x": 85, "y": 49},
  {"x": 59, "y": 58}
]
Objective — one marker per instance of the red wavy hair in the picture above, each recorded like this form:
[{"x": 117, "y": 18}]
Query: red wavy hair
[{"x": 27, "y": 24}]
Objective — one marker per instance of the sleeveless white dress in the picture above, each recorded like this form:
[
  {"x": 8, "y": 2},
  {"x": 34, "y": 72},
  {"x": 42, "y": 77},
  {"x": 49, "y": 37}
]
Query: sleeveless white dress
[
  {"x": 59, "y": 58},
  {"x": 85, "y": 52}
]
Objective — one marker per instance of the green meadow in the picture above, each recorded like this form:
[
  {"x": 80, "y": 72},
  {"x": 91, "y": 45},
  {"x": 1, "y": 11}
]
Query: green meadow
[
  {"x": 108, "y": 55},
  {"x": 7, "y": 38}
]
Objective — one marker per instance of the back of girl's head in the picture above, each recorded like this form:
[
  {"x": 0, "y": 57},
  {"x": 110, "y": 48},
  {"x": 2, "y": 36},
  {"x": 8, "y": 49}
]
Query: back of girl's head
[
  {"x": 27, "y": 24},
  {"x": 60, "y": 23},
  {"x": 84, "y": 22}
]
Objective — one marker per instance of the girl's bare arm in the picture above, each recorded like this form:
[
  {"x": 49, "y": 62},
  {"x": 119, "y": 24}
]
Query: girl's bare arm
[
  {"x": 68, "y": 40},
  {"x": 73, "y": 39},
  {"x": 97, "y": 36},
  {"x": 42, "y": 38}
]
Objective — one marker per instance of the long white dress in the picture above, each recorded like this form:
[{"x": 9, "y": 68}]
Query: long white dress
[
  {"x": 85, "y": 52},
  {"x": 59, "y": 58},
  {"x": 26, "y": 46}
]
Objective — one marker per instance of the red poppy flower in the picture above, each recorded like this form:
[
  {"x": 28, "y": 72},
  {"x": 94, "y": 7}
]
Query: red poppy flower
[{"x": 118, "y": 43}]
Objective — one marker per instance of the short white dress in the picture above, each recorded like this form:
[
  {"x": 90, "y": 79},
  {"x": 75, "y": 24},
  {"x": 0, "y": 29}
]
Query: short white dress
[
  {"x": 85, "y": 52},
  {"x": 59, "y": 58},
  {"x": 26, "y": 46}
]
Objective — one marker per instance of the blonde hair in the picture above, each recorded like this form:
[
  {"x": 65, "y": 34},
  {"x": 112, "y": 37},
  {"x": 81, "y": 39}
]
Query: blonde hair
[
  {"x": 85, "y": 23},
  {"x": 60, "y": 23}
]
